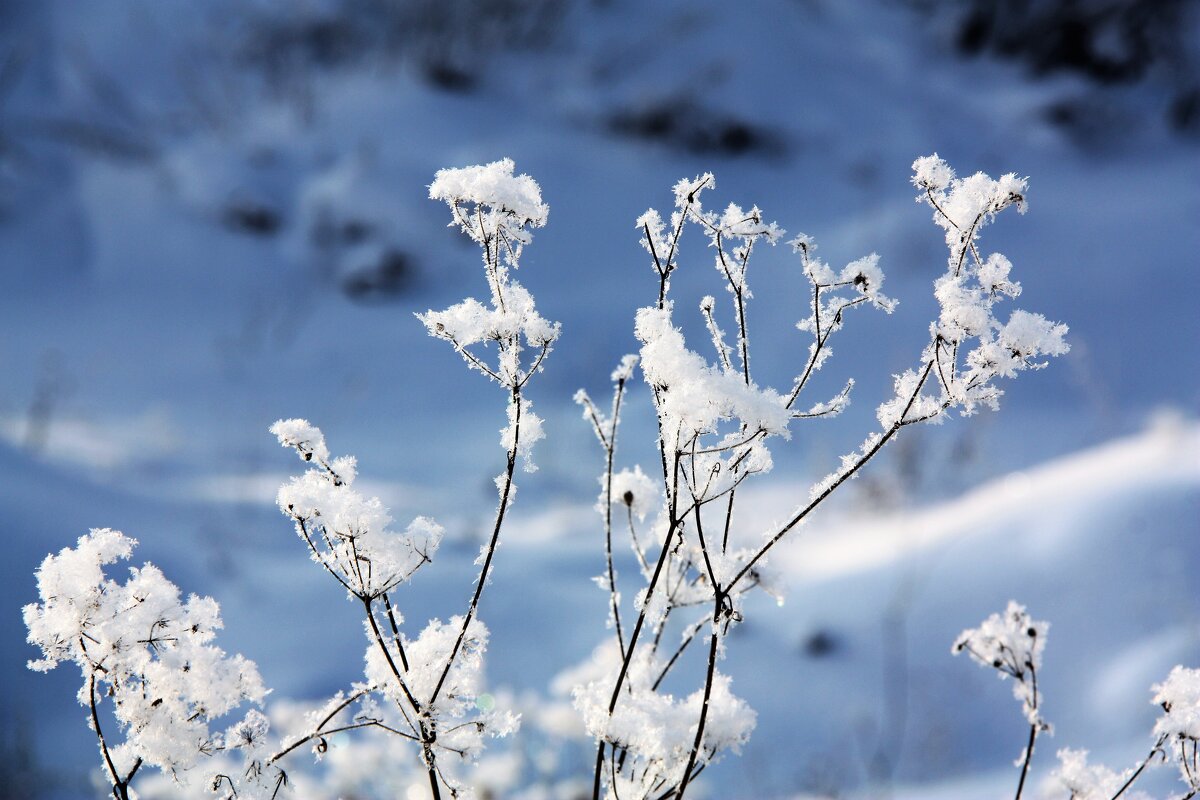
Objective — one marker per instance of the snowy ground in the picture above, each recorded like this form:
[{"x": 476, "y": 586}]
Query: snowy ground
[{"x": 188, "y": 254}]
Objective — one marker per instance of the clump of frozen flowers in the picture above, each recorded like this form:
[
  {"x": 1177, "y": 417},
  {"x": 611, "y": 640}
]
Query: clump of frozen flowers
[
  {"x": 1178, "y": 728},
  {"x": 423, "y": 689},
  {"x": 496, "y": 209},
  {"x": 968, "y": 293},
  {"x": 1176, "y": 739},
  {"x": 447, "y": 699},
  {"x": 346, "y": 533},
  {"x": 970, "y": 348},
  {"x": 429, "y": 682},
  {"x": 144, "y": 653},
  {"x": 634, "y": 490},
  {"x": 655, "y": 730},
  {"x": 1011, "y": 643}
]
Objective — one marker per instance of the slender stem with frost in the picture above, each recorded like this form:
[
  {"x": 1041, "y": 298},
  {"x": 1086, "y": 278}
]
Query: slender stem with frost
[
  {"x": 491, "y": 547},
  {"x": 1033, "y": 732},
  {"x": 319, "y": 729},
  {"x": 120, "y": 788},
  {"x": 610, "y": 447},
  {"x": 842, "y": 478},
  {"x": 714, "y": 641},
  {"x": 1141, "y": 767}
]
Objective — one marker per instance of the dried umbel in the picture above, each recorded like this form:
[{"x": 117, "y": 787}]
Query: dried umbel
[
  {"x": 145, "y": 652},
  {"x": 716, "y": 425}
]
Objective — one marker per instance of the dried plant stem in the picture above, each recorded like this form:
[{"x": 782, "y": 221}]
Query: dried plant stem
[
  {"x": 633, "y": 639},
  {"x": 845, "y": 476},
  {"x": 490, "y": 552},
  {"x": 1137, "y": 773},
  {"x": 319, "y": 730},
  {"x": 610, "y": 448},
  {"x": 1033, "y": 732},
  {"x": 119, "y": 788},
  {"x": 713, "y": 644}
]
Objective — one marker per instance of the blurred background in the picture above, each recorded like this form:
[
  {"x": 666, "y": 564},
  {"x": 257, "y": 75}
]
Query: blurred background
[{"x": 214, "y": 215}]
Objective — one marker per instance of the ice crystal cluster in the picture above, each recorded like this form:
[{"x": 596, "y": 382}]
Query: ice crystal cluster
[
  {"x": 972, "y": 286},
  {"x": 1086, "y": 781},
  {"x": 346, "y": 533},
  {"x": 1011, "y": 643},
  {"x": 1178, "y": 729},
  {"x": 496, "y": 210},
  {"x": 143, "y": 652}
]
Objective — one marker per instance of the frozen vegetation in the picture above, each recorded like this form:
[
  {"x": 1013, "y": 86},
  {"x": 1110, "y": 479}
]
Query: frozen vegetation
[
  {"x": 158, "y": 691},
  {"x": 213, "y": 216}
]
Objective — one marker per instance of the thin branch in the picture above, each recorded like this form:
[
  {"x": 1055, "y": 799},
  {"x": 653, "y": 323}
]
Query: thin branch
[
  {"x": 319, "y": 557},
  {"x": 637, "y": 547},
  {"x": 387, "y": 604},
  {"x": 846, "y": 475},
  {"x": 695, "y": 629},
  {"x": 474, "y": 360},
  {"x": 537, "y": 364},
  {"x": 491, "y": 547},
  {"x": 387, "y": 654},
  {"x": 1141, "y": 767},
  {"x": 1033, "y": 732},
  {"x": 120, "y": 788},
  {"x": 319, "y": 729},
  {"x": 717, "y": 336},
  {"x": 714, "y": 641},
  {"x": 637, "y": 631},
  {"x": 610, "y": 453}
]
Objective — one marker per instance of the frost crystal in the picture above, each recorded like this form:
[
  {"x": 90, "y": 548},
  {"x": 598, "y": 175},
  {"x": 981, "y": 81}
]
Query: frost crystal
[
  {"x": 524, "y": 429},
  {"x": 493, "y": 189},
  {"x": 451, "y": 701},
  {"x": 970, "y": 347},
  {"x": 1178, "y": 728},
  {"x": 624, "y": 370},
  {"x": 346, "y": 533},
  {"x": 655, "y": 729},
  {"x": 1090, "y": 782},
  {"x": 634, "y": 489},
  {"x": 1179, "y": 697},
  {"x": 694, "y": 396},
  {"x": 1012, "y": 644},
  {"x": 141, "y": 648}
]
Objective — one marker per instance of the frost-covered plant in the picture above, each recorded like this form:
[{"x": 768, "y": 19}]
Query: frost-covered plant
[
  {"x": 1178, "y": 729},
  {"x": 714, "y": 426},
  {"x": 150, "y": 654},
  {"x": 697, "y": 560},
  {"x": 1012, "y": 644},
  {"x": 421, "y": 689},
  {"x": 424, "y": 688},
  {"x": 139, "y": 645}
]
